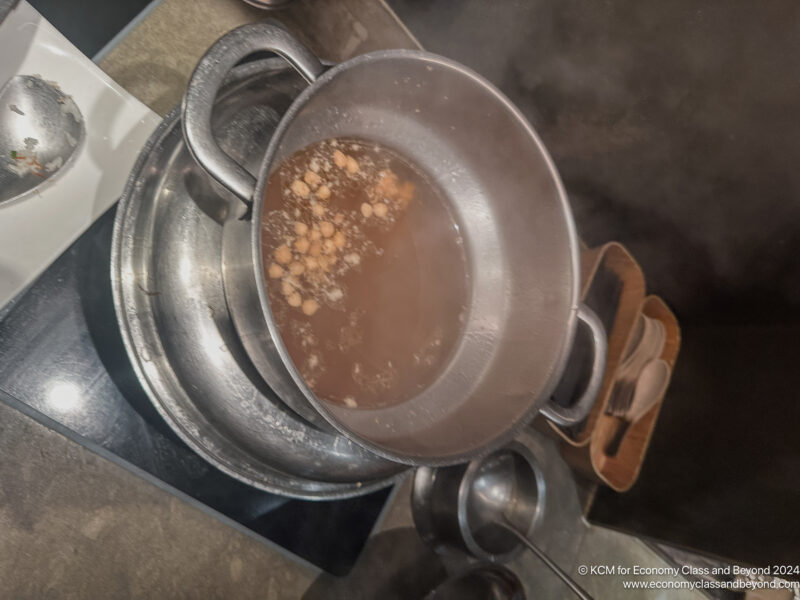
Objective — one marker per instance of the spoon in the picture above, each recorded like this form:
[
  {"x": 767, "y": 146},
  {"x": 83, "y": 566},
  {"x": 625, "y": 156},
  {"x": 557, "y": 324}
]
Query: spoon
[
  {"x": 498, "y": 510},
  {"x": 652, "y": 384},
  {"x": 40, "y": 129},
  {"x": 649, "y": 388},
  {"x": 649, "y": 339}
]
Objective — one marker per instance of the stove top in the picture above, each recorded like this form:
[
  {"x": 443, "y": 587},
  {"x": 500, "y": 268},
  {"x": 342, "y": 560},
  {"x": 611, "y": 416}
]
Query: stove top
[{"x": 62, "y": 355}]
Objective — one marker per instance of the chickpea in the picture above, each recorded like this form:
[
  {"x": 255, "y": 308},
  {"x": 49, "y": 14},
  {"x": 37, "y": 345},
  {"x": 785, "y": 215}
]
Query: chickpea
[
  {"x": 275, "y": 271},
  {"x": 338, "y": 219},
  {"x": 324, "y": 263},
  {"x": 339, "y": 240},
  {"x": 312, "y": 179},
  {"x": 310, "y": 306},
  {"x": 300, "y": 188},
  {"x": 406, "y": 193},
  {"x": 323, "y": 192},
  {"x": 317, "y": 210},
  {"x": 312, "y": 264},
  {"x": 366, "y": 209},
  {"x": 328, "y": 247},
  {"x": 387, "y": 184},
  {"x": 339, "y": 159},
  {"x": 327, "y": 229},
  {"x": 296, "y": 268},
  {"x": 294, "y": 299},
  {"x": 380, "y": 210},
  {"x": 283, "y": 255},
  {"x": 287, "y": 286},
  {"x": 351, "y": 165},
  {"x": 315, "y": 234},
  {"x": 300, "y": 228},
  {"x": 315, "y": 249},
  {"x": 301, "y": 245}
]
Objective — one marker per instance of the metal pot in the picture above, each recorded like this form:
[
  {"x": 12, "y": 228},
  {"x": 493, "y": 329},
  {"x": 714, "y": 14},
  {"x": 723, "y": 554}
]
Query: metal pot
[{"x": 517, "y": 226}]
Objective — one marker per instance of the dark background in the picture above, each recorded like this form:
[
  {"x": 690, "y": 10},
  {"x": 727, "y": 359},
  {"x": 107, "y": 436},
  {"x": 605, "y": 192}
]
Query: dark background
[{"x": 675, "y": 128}]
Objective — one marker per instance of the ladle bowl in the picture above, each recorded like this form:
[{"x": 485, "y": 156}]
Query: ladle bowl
[
  {"x": 502, "y": 488},
  {"x": 40, "y": 130}
]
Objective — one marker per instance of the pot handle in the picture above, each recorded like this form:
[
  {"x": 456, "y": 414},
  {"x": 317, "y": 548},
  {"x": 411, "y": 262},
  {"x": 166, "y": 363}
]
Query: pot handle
[
  {"x": 566, "y": 416},
  {"x": 206, "y": 80}
]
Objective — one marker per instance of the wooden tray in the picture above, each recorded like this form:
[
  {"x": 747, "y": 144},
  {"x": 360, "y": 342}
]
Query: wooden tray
[{"x": 621, "y": 470}]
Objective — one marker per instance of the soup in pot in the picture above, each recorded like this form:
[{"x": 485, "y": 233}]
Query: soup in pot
[{"x": 366, "y": 272}]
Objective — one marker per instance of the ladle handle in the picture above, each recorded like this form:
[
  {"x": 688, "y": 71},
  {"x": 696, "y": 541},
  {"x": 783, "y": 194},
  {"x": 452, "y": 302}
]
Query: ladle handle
[
  {"x": 571, "y": 415},
  {"x": 579, "y": 591},
  {"x": 206, "y": 80}
]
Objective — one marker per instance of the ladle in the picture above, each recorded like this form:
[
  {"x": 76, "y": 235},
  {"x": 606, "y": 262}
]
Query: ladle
[
  {"x": 488, "y": 507},
  {"x": 40, "y": 130},
  {"x": 498, "y": 495}
]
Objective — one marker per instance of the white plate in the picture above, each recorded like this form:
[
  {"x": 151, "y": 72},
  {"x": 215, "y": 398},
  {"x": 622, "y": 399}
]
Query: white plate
[{"x": 37, "y": 228}]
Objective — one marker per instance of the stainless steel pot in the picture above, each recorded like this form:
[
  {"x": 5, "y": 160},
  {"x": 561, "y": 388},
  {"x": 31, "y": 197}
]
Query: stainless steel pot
[{"x": 516, "y": 222}]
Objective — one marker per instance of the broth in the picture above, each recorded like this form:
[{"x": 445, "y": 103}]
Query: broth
[{"x": 366, "y": 272}]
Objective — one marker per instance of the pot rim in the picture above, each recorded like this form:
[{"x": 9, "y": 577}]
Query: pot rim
[{"x": 257, "y": 259}]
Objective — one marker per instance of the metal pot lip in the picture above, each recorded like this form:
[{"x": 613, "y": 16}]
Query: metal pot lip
[{"x": 258, "y": 272}]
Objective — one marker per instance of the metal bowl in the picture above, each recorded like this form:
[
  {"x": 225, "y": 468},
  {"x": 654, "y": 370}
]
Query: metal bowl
[
  {"x": 41, "y": 130},
  {"x": 514, "y": 217}
]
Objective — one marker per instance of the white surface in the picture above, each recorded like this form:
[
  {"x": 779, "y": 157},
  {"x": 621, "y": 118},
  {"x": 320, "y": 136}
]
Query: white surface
[{"x": 35, "y": 230}]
